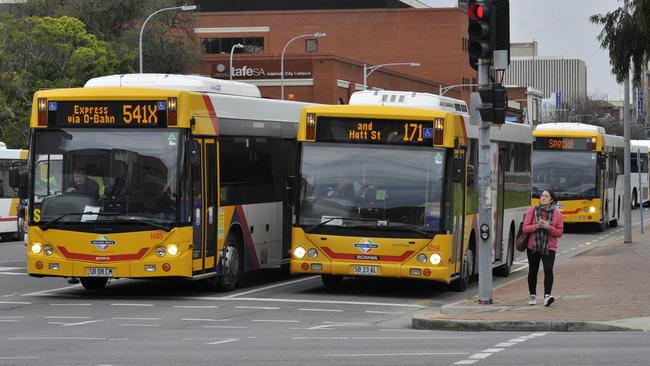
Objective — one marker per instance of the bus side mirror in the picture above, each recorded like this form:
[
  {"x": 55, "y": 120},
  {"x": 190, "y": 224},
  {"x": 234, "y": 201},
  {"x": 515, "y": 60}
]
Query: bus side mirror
[
  {"x": 195, "y": 152},
  {"x": 458, "y": 170}
]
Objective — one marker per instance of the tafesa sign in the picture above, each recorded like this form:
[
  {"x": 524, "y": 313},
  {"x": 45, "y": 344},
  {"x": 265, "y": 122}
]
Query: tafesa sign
[
  {"x": 293, "y": 69},
  {"x": 135, "y": 114}
]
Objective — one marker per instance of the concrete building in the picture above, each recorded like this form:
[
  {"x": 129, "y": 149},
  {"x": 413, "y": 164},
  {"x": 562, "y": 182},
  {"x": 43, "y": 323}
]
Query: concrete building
[{"x": 329, "y": 69}]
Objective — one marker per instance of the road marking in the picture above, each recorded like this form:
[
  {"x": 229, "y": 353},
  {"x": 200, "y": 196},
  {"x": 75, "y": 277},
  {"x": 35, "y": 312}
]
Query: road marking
[
  {"x": 398, "y": 354},
  {"x": 407, "y": 330},
  {"x": 8, "y": 320},
  {"x": 323, "y": 310},
  {"x": 305, "y": 301},
  {"x": 40, "y": 293},
  {"x": 18, "y": 358},
  {"x": 227, "y": 340},
  {"x": 72, "y": 304},
  {"x": 270, "y": 287},
  {"x": 490, "y": 351},
  {"x": 466, "y": 362},
  {"x": 11, "y": 317},
  {"x": 136, "y": 318},
  {"x": 329, "y": 325},
  {"x": 493, "y": 350},
  {"x": 258, "y": 307},
  {"x": 13, "y": 273},
  {"x": 67, "y": 317},
  {"x": 61, "y": 339},
  {"x": 383, "y": 312},
  {"x": 205, "y": 320},
  {"x": 196, "y": 306},
  {"x": 504, "y": 344},
  {"x": 140, "y": 325},
  {"x": 75, "y": 324},
  {"x": 480, "y": 356},
  {"x": 367, "y": 338},
  {"x": 276, "y": 320},
  {"x": 223, "y": 326},
  {"x": 16, "y": 302},
  {"x": 132, "y": 304}
]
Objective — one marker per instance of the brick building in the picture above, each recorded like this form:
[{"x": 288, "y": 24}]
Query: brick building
[{"x": 329, "y": 69}]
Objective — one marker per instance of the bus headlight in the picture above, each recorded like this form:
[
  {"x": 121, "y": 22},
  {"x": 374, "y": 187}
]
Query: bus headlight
[
  {"x": 172, "y": 249},
  {"x": 312, "y": 253},
  {"x": 435, "y": 258},
  {"x": 299, "y": 252},
  {"x": 422, "y": 258},
  {"x": 592, "y": 209},
  {"x": 36, "y": 248},
  {"x": 160, "y": 251},
  {"x": 48, "y": 250}
]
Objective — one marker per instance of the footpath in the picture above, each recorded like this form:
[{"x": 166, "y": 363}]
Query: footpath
[{"x": 605, "y": 288}]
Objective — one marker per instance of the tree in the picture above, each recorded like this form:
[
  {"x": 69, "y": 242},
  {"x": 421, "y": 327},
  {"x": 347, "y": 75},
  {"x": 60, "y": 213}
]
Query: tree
[
  {"x": 37, "y": 53},
  {"x": 626, "y": 34}
]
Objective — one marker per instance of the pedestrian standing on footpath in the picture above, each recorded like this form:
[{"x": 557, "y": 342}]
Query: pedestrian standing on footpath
[{"x": 545, "y": 225}]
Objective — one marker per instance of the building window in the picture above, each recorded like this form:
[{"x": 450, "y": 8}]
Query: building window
[
  {"x": 224, "y": 45},
  {"x": 311, "y": 45}
]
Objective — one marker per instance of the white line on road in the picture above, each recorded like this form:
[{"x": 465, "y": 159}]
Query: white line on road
[
  {"x": 368, "y": 338},
  {"x": 16, "y": 302},
  {"x": 504, "y": 344},
  {"x": 58, "y": 339},
  {"x": 72, "y": 304},
  {"x": 383, "y": 312},
  {"x": 13, "y": 273},
  {"x": 67, "y": 317},
  {"x": 258, "y": 307},
  {"x": 480, "y": 356},
  {"x": 227, "y": 340},
  {"x": 324, "y": 310},
  {"x": 18, "y": 358},
  {"x": 493, "y": 350},
  {"x": 270, "y": 287},
  {"x": 399, "y": 354},
  {"x": 8, "y": 320},
  {"x": 40, "y": 293},
  {"x": 466, "y": 362},
  {"x": 205, "y": 320},
  {"x": 132, "y": 304},
  {"x": 196, "y": 306},
  {"x": 11, "y": 317},
  {"x": 306, "y": 301},
  {"x": 136, "y": 318},
  {"x": 82, "y": 323},
  {"x": 223, "y": 326},
  {"x": 276, "y": 320},
  {"x": 139, "y": 325}
]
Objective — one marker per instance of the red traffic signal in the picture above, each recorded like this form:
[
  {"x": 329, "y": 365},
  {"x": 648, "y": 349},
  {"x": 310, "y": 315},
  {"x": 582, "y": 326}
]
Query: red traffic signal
[{"x": 478, "y": 11}]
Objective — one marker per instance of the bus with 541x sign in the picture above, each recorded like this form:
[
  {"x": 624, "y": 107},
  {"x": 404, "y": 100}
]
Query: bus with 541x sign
[{"x": 387, "y": 188}]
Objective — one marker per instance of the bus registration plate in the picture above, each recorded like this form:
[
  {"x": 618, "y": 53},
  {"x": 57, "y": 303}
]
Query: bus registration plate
[
  {"x": 100, "y": 272},
  {"x": 366, "y": 270}
]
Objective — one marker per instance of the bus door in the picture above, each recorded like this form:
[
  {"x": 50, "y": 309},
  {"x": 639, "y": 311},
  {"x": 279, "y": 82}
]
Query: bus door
[
  {"x": 459, "y": 193},
  {"x": 499, "y": 251},
  {"x": 204, "y": 205}
]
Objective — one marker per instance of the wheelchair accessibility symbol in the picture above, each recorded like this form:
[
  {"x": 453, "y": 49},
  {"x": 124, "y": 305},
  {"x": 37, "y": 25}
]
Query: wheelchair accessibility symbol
[{"x": 428, "y": 132}]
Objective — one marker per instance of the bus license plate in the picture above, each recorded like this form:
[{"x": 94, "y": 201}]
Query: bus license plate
[
  {"x": 100, "y": 272},
  {"x": 366, "y": 270}
]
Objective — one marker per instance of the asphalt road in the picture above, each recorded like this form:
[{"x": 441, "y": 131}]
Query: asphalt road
[{"x": 273, "y": 319}]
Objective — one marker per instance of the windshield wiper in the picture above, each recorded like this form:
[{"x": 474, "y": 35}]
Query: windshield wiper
[
  {"x": 407, "y": 227},
  {"x": 166, "y": 228},
  {"x": 321, "y": 224},
  {"x": 47, "y": 225}
]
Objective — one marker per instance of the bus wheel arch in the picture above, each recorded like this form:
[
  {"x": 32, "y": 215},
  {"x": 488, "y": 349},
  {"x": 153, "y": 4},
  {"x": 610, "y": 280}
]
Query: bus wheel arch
[{"x": 233, "y": 263}]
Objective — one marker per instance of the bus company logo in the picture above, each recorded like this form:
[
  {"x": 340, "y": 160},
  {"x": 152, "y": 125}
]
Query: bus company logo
[
  {"x": 363, "y": 257},
  {"x": 102, "y": 242},
  {"x": 366, "y": 246}
]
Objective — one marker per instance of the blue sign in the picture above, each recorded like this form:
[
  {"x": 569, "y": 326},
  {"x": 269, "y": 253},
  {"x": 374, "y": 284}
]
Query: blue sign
[
  {"x": 52, "y": 106},
  {"x": 558, "y": 99},
  {"x": 640, "y": 103},
  {"x": 428, "y": 133}
]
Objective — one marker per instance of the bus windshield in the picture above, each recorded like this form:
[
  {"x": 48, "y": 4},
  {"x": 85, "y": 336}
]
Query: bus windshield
[
  {"x": 368, "y": 186},
  {"x": 108, "y": 176},
  {"x": 570, "y": 174}
]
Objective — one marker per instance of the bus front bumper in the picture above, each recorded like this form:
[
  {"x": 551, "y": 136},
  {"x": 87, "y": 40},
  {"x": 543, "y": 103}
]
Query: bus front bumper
[{"x": 426, "y": 272}]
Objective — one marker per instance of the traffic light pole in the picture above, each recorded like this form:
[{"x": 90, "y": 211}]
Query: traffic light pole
[{"x": 484, "y": 198}]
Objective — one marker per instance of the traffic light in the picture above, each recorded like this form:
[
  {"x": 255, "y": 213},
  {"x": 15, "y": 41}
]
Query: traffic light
[
  {"x": 481, "y": 30},
  {"x": 502, "y": 27},
  {"x": 494, "y": 103}
]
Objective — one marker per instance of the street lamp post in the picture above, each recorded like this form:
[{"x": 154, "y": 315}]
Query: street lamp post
[
  {"x": 232, "y": 50},
  {"x": 316, "y": 35},
  {"x": 181, "y": 8},
  {"x": 367, "y": 70}
]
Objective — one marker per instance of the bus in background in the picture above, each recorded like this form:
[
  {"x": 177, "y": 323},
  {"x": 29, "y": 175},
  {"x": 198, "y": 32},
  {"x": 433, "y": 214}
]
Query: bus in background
[
  {"x": 643, "y": 148},
  {"x": 387, "y": 187},
  {"x": 11, "y": 209},
  {"x": 151, "y": 175},
  {"x": 584, "y": 167}
]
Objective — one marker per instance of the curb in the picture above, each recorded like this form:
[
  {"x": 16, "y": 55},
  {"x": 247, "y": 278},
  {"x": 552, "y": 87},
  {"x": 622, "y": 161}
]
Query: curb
[{"x": 423, "y": 321}]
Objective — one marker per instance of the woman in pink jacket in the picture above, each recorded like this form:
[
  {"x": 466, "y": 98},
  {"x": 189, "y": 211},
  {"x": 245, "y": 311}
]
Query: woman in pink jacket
[{"x": 545, "y": 225}]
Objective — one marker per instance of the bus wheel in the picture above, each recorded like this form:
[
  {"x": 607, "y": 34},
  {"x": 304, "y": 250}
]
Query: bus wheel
[
  {"x": 504, "y": 269},
  {"x": 234, "y": 268},
  {"x": 460, "y": 284},
  {"x": 93, "y": 283},
  {"x": 601, "y": 226},
  {"x": 331, "y": 280}
]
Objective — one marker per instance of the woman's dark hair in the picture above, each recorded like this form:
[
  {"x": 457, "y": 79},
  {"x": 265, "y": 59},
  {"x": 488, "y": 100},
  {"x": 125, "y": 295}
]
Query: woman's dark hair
[{"x": 550, "y": 193}]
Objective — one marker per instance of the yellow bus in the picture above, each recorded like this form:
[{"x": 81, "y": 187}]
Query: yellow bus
[
  {"x": 584, "y": 167},
  {"x": 387, "y": 187},
  {"x": 11, "y": 215},
  {"x": 151, "y": 175}
]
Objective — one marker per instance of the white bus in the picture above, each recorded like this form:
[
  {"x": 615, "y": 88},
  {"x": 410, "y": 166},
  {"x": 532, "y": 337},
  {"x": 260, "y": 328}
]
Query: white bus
[
  {"x": 11, "y": 210},
  {"x": 640, "y": 174}
]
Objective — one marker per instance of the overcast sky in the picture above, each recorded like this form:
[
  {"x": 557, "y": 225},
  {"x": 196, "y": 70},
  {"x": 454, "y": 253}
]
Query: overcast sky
[{"x": 562, "y": 28}]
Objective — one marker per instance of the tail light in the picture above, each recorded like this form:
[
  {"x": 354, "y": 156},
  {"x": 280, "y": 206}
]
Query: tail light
[
  {"x": 42, "y": 111},
  {"x": 438, "y": 131},
  {"x": 593, "y": 143},
  {"x": 311, "y": 126},
  {"x": 172, "y": 116}
]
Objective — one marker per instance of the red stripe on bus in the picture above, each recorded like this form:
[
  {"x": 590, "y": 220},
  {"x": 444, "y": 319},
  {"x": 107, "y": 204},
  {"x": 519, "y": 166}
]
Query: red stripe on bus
[
  {"x": 213, "y": 114},
  {"x": 570, "y": 212},
  {"x": 382, "y": 258},
  {"x": 103, "y": 258},
  {"x": 13, "y": 218}
]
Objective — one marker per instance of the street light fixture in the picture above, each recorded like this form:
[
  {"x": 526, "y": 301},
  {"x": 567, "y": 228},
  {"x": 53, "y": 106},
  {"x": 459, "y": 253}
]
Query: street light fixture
[
  {"x": 232, "y": 50},
  {"x": 181, "y": 8},
  {"x": 315, "y": 35},
  {"x": 367, "y": 70}
]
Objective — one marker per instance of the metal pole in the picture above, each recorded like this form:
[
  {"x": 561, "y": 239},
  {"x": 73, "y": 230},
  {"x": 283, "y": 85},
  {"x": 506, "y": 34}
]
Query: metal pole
[
  {"x": 638, "y": 169},
  {"x": 627, "y": 194},
  {"x": 484, "y": 198},
  {"x": 182, "y": 8}
]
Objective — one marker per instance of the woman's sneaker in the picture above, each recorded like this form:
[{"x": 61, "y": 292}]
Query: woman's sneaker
[
  {"x": 548, "y": 300},
  {"x": 532, "y": 300}
]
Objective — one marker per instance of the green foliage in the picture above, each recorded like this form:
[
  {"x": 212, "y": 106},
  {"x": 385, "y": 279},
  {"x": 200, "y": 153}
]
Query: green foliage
[{"x": 626, "y": 34}]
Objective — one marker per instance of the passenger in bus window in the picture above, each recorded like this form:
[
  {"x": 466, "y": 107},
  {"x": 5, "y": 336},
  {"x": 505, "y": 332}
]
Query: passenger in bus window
[
  {"x": 342, "y": 189},
  {"x": 81, "y": 184},
  {"x": 545, "y": 225}
]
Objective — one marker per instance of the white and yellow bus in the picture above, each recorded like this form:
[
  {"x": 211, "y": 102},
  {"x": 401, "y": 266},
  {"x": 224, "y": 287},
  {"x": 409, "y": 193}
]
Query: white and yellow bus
[
  {"x": 185, "y": 177},
  {"x": 584, "y": 167},
  {"x": 11, "y": 217},
  {"x": 639, "y": 173},
  {"x": 387, "y": 187}
]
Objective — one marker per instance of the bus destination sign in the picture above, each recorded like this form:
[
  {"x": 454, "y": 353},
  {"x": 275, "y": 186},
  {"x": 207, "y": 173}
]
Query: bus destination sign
[
  {"x": 563, "y": 143},
  {"x": 374, "y": 131},
  {"x": 126, "y": 114}
]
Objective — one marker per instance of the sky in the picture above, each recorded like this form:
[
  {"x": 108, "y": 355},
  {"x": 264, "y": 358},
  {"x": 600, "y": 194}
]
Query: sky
[{"x": 562, "y": 28}]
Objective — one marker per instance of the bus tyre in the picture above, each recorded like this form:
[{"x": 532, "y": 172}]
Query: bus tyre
[
  {"x": 234, "y": 268},
  {"x": 332, "y": 280},
  {"x": 601, "y": 226},
  {"x": 460, "y": 283},
  {"x": 93, "y": 283},
  {"x": 504, "y": 269}
]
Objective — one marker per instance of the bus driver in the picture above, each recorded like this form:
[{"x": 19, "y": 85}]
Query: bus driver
[{"x": 81, "y": 184}]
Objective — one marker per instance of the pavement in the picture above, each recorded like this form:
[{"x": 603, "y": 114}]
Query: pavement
[{"x": 605, "y": 288}]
